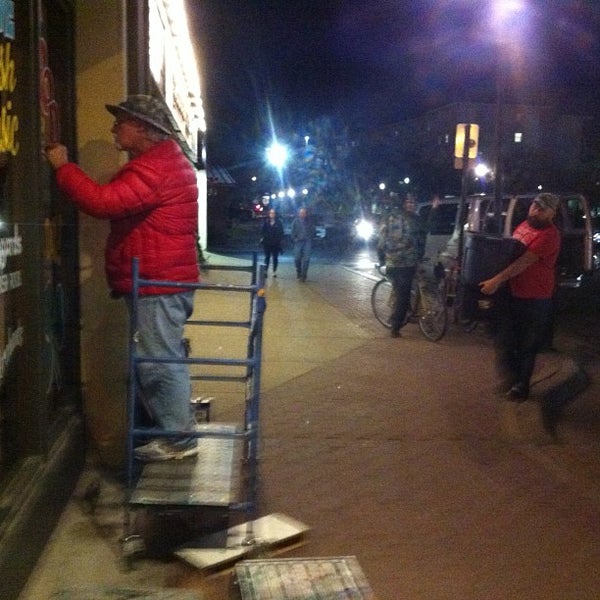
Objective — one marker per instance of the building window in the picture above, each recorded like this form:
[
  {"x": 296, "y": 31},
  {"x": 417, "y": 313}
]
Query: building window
[{"x": 518, "y": 137}]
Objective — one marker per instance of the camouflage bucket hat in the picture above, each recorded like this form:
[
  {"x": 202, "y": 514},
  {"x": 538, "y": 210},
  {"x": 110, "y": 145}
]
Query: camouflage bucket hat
[
  {"x": 143, "y": 108},
  {"x": 547, "y": 201}
]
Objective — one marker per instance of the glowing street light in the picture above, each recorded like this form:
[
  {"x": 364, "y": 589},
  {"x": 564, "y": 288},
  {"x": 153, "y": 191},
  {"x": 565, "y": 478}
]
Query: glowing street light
[
  {"x": 503, "y": 10},
  {"x": 277, "y": 154}
]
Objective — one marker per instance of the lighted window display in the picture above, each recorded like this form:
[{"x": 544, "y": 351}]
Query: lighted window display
[{"x": 174, "y": 68}]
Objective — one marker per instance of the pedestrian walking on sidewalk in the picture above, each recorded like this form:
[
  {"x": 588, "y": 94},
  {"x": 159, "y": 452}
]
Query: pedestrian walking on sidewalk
[
  {"x": 303, "y": 231},
  {"x": 520, "y": 328},
  {"x": 151, "y": 204},
  {"x": 271, "y": 240}
]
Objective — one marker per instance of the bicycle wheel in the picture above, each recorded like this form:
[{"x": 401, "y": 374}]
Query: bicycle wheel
[
  {"x": 381, "y": 302},
  {"x": 433, "y": 315}
]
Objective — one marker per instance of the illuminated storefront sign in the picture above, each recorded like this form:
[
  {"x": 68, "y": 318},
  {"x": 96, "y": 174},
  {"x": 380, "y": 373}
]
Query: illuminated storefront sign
[
  {"x": 11, "y": 243},
  {"x": 9, "y": 122},
  {"x": 174, "y": 68}
]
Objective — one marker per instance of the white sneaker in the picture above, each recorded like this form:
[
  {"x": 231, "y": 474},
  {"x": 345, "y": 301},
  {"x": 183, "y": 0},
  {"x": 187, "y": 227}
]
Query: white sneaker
[{"x": 159, "y": 450}]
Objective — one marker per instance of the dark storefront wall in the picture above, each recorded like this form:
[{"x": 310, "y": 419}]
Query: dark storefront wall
[
  {"x": 41, "y": 437},
  {"x": 53, "y": 258}
]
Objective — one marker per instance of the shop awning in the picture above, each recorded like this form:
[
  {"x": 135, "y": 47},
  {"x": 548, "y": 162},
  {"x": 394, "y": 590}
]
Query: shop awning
[{"x": 219, "y": 176}]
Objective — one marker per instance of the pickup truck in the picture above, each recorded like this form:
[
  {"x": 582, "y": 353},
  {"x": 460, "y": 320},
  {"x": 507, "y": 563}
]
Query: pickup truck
[{"x": 580, "y": 253}]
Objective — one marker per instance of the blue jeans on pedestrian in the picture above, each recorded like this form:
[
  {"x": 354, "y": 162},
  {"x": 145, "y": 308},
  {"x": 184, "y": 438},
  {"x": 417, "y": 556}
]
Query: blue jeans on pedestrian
[
  {"x": 302, "y": 250},
  {"x": 165, "y": 388},
  {"x": 401, "y": 279}
]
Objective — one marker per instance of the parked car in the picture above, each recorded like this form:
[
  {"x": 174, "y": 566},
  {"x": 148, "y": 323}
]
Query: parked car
[
  {"x": 579, "y": 255},
  {"x": 442, "y": 227}
]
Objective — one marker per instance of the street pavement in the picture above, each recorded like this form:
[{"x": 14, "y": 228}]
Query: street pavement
[{"x": 395, "y": 451}]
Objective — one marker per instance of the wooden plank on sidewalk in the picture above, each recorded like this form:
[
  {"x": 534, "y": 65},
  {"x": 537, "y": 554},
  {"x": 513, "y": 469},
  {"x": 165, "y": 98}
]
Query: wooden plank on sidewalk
[{"x": 225, "y": 547}]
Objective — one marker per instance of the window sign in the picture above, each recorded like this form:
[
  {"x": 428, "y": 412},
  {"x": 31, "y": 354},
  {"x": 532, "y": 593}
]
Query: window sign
[
  {"x": 9, "y": 122},
  {"x": 11, "y": 242},
  {"x": 7, "y": 19}
]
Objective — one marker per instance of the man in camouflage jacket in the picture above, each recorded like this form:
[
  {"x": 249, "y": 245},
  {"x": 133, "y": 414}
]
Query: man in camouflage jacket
[{"x": 400, "y": 245}]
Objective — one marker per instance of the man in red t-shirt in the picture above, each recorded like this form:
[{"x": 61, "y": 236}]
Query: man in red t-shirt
[{"x": 521, "y": 330}]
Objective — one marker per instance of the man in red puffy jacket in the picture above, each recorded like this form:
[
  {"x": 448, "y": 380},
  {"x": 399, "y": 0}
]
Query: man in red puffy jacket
[{"x": 151, "y": 204}]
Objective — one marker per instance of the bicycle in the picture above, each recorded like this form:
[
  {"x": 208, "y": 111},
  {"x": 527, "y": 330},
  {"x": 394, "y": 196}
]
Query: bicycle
[
  {"x": 427, "y": 307},
  {"x": 452, "y": 293}
]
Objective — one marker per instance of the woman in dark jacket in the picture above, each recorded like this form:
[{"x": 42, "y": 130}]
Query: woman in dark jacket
[{"x": 272, "y": 236}]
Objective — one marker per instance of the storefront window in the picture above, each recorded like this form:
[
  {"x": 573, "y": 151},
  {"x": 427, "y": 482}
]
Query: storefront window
[
  {"x": 39, "y": 351},
  {"x": 60, "y": 357}
]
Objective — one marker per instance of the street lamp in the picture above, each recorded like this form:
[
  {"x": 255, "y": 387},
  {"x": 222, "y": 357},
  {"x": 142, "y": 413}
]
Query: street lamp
[
  {"x": 504, "y": 13},
  {"x": 277, "y": 154}
]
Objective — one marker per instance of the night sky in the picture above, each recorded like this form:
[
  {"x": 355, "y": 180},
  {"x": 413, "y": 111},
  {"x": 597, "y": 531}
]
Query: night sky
[{"x": 273, "y": 64}]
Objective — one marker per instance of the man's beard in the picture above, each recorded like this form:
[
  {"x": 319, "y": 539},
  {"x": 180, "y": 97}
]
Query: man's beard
[{"x": 537, "y": 223}]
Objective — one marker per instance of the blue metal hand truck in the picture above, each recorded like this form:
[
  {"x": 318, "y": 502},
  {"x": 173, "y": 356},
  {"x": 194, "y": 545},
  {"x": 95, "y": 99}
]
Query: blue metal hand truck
[{"x": 224, "y": 474}]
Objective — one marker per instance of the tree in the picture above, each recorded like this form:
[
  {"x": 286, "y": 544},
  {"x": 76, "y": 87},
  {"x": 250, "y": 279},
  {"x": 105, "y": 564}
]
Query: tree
[{"x": 321, "y": 164}]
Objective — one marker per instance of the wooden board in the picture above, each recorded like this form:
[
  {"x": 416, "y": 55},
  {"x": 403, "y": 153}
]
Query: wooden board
[{"x": 225, "y": 547}]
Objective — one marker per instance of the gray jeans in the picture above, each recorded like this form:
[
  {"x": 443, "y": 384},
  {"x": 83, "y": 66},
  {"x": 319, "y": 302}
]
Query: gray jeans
[{"x": 302, "y": 250}]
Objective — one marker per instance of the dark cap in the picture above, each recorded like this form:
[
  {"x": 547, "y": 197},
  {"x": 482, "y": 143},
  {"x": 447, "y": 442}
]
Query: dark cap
[
  {"x": 144, "y": 108},
  {"x": 547, "y": 201}
]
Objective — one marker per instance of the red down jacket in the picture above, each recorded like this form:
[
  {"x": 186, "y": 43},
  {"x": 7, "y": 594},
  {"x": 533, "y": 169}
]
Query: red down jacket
[{"x": 152, "y": 206}]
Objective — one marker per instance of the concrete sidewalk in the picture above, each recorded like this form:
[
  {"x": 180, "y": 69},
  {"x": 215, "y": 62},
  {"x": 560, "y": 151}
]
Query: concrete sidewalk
[{"x": 393, "y": 450}]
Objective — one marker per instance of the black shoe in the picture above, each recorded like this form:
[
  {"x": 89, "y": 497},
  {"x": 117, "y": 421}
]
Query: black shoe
[
  {"x": 395, "y": 333},
  {"x": 518, "y": 393}
]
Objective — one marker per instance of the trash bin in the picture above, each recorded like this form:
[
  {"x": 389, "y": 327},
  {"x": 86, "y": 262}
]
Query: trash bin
[{"x": 485, "y": 255}]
